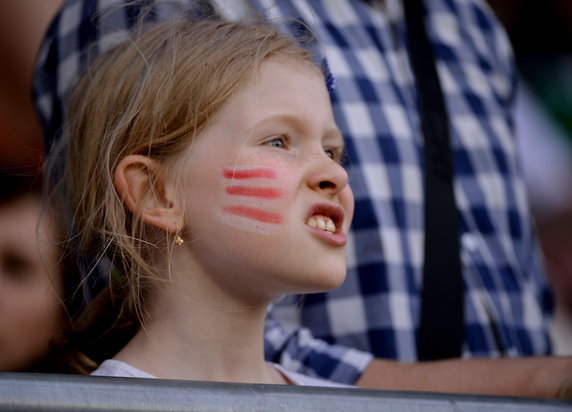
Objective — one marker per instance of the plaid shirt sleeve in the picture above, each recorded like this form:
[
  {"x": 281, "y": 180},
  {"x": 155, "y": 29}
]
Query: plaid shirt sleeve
[{"x": 375, "y": 312}]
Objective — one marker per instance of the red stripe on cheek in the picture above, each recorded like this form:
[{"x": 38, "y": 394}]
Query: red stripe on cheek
[
  {"x": 260, "y": 192},
  {"x": 254, "y": 214},
  {"x": 249, "y": 173}
]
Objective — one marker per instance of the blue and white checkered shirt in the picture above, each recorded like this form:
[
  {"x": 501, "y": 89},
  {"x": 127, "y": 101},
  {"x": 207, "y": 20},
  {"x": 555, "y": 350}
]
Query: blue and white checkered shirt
[{"x": 376, "y": 311}]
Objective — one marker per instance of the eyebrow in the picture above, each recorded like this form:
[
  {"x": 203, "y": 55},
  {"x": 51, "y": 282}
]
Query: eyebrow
[{"x": 298, "y": 124}]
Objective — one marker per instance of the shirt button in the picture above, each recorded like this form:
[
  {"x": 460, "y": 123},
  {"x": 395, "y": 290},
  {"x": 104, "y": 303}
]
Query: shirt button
[{"x": 469, "y": 242}]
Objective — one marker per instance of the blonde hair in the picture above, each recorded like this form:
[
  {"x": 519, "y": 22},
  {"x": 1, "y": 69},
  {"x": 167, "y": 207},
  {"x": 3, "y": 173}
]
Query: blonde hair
[{"x": 151, "y": 95}]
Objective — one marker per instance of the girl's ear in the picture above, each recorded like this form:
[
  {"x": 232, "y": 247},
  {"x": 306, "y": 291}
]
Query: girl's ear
[{"x": 145, "y": 193}]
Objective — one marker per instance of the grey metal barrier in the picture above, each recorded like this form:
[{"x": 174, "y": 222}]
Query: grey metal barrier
[{"x": 49, "y": 392}]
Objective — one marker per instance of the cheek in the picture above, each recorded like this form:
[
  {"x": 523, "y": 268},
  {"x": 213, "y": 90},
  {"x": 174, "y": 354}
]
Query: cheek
[
  {"x": 34, "y": 315},
  {"x": 255, "y": 198},
  {"x": 43, "y": 306},
  {"x": 348, "y": 204}
]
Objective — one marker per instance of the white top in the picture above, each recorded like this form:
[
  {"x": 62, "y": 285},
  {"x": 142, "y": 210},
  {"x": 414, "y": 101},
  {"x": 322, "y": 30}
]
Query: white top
[{"x": 112, "y": 367}]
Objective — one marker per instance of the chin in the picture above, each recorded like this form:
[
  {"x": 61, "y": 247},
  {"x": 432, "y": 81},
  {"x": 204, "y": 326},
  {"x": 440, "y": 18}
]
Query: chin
[{"x": 327, "y": 280}]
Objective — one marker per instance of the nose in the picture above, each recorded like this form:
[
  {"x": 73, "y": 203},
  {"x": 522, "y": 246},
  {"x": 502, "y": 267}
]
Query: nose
[{"x": 327, "y": 176}]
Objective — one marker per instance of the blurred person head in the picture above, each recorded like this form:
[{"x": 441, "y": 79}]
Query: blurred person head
[{"x": 31, "y": 277}]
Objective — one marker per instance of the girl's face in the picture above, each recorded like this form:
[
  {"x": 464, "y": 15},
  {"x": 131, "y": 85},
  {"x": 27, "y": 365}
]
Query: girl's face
[
  {"x": 31, "y": 312},
  {"x": 267, "y": 203}
]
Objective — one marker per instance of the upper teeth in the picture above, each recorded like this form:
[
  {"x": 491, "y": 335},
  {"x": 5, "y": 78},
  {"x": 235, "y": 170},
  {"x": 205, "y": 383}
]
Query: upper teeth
[{"x": 322, "y": 222}]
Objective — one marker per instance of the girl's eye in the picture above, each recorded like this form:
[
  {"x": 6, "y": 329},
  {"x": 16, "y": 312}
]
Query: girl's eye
[
  {"x": 277, "y": 141},
  {"x": 335, "y": 154}
]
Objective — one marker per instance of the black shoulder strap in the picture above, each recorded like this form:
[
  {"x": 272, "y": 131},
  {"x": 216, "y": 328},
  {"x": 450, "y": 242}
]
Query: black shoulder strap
[{"x": 441, "y": 328}]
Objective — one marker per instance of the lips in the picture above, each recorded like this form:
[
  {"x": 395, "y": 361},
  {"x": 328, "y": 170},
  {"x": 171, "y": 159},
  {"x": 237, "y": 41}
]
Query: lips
[{"x": 326, "y": 220}]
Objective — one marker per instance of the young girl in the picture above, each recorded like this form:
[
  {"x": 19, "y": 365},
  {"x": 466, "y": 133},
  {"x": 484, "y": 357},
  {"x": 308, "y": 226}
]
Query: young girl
[{"x": 203, "y": 160}]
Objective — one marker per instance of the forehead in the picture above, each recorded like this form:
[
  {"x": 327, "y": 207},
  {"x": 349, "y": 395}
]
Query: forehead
[
  {"x": 24, "y": 223},
  {"x": 282, "y": 83},
  {"x": 292, "y": 64},
  {"x": 282, "y": 95},
  {"x": 21, "y": 213}
]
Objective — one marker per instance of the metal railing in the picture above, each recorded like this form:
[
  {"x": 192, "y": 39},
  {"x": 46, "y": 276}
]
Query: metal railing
[{"x": 49, "y": 392}]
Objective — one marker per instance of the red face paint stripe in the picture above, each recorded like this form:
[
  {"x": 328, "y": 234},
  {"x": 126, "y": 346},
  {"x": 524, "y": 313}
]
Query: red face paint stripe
[
  {"x": 254, "y": 214},
  {"x": 260, "y": 192},
  {"x": 249, "y": 173}
]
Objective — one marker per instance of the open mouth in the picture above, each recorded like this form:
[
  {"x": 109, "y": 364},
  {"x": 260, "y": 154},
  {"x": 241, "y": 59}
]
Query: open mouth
[
  {"x": 322, "y": 222},
  {"x": 326, "y": 217}
]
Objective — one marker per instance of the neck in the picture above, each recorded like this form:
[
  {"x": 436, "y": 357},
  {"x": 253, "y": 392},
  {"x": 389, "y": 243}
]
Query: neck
[{"x": 196, "y": 337}]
